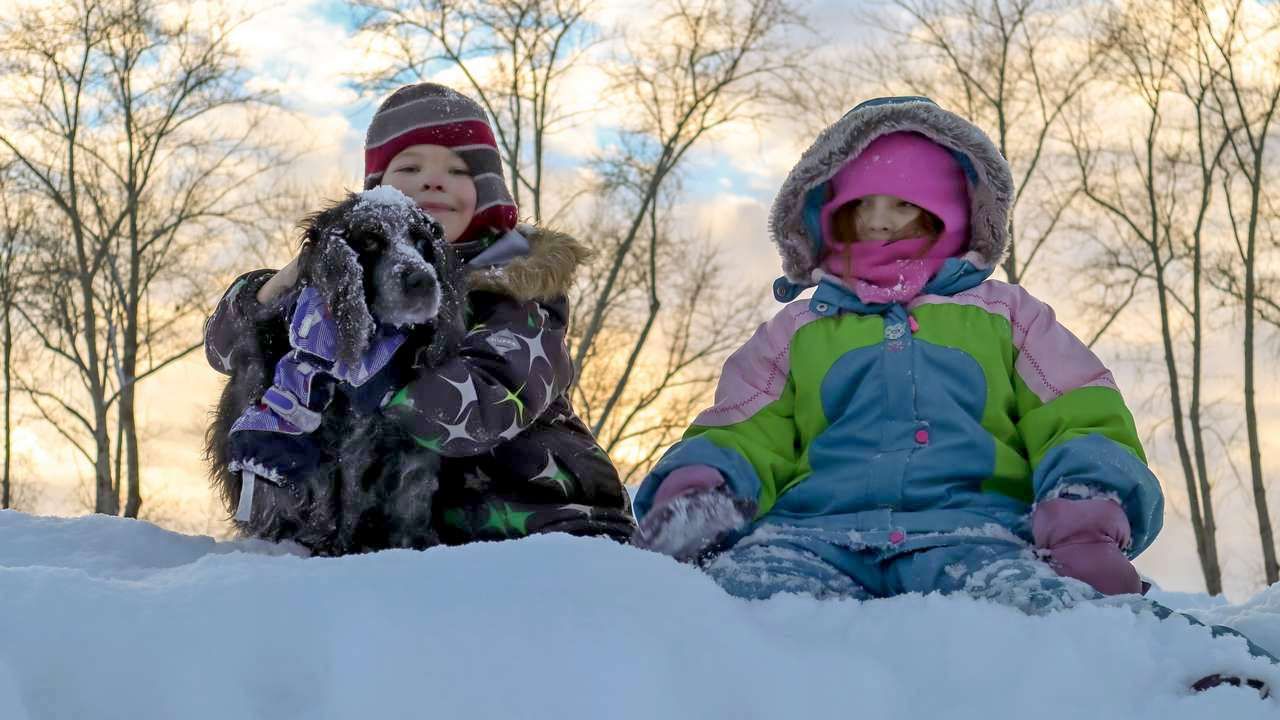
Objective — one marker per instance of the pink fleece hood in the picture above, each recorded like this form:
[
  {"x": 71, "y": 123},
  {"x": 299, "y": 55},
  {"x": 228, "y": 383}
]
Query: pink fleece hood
[{"x": 914, "y": 168}]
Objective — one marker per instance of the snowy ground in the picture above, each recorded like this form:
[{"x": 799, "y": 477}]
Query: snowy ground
[{"x": 108, "y": 618}]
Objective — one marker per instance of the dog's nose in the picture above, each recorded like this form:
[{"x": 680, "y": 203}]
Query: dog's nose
[{"x": 418, "y": 280}]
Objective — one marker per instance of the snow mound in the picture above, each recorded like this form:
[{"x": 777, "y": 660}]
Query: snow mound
[{"x": 108, "y": 618}]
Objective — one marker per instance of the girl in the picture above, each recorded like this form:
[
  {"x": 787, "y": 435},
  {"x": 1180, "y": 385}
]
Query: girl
[
  {"x": 517, "y": 460},
  {"x": 914, "y": 426}
]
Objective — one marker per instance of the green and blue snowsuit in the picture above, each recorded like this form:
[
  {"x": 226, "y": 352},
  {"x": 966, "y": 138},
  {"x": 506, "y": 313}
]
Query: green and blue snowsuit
[{"x": 900, "y": 447}]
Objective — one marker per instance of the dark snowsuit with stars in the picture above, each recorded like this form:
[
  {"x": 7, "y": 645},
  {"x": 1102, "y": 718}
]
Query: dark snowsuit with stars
[{"x": 516, "y": 459}]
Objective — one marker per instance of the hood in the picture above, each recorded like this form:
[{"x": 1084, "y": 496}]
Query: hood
[
  {"x": 794, "y": 220},
  {"x": 544, "y": 272}
]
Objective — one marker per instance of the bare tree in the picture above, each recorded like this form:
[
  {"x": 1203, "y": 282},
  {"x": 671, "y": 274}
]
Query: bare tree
[
  {"x": 54, "y": 57},
  {"x": 1196, "y": 83},
  {"x": 673, "y": 318},
  {"x": 709, "y": 63},
  {"x": 166, "y": 214},
  {"x": 1238, "y": 32},
  {"x": 136, "y": 127},
  {"x": 17, "y": 222},
  {"x": 513, "y": 54},
  {"x": 1140, "y": 184},
  {"x": 1011, "y": 65}
]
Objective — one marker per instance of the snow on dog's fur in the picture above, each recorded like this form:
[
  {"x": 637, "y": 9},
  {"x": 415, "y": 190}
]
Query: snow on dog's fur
[{"x": 375, "y": 259}]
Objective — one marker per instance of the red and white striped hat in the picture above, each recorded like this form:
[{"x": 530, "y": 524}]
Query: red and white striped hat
[{"x": 431, "y": 114}]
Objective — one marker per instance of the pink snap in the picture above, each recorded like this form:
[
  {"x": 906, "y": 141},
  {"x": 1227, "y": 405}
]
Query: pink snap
[
  {"x": 915, "y": 326},
  {"x": 922, "y": 436},
  {"x": 897, "y": 536}
]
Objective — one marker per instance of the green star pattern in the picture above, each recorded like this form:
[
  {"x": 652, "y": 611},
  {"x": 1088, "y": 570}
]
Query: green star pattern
[
  {"x": 455, "y": 518},
  {"x": 562, "y": 478},
  {"x": 401, "y": 398},
  {"x": 514, "y": 397},
  {"x": 506, "y": 520},
  {"x": 433, "y": 444}
]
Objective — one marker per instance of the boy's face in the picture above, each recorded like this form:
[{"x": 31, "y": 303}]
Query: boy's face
[
  {"x": 886, "y": 217},
  {"x": 438, "y": 180}
]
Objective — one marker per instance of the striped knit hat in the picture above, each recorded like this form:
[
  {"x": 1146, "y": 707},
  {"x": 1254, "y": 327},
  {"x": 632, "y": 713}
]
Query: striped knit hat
[{"x": 431, "y": 114}]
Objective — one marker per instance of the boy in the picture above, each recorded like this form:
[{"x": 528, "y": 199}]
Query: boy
[{"x": 516, "y": 458}]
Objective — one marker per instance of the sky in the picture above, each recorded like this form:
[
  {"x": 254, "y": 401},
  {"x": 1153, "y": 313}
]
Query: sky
[{"x": 304, "y": 51}]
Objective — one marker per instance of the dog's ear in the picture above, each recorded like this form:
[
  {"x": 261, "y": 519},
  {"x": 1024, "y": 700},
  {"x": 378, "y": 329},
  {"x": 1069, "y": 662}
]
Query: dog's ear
[
  {"x": 329, "y": 265},
  {"x": 450, "y": 321}
]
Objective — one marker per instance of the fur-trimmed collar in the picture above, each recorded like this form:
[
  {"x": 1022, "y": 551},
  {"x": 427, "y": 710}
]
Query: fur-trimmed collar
[
  {"x": 543, "y": 274},
  {"x": 990, "y": 182}
]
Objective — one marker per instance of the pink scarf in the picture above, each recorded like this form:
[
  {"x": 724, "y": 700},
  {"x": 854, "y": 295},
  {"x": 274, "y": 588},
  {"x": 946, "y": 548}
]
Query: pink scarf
[{"x": 886, "y": 272}]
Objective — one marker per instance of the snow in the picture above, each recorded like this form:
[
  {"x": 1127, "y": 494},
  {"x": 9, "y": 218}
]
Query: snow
[
  {"x": 386, "y": 195},
  {"x": 390, "y": 209},
  {"x": 108, "y": 618}
]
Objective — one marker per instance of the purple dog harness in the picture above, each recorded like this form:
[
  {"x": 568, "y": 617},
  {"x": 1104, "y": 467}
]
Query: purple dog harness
[{"x": 294, "y": 402}]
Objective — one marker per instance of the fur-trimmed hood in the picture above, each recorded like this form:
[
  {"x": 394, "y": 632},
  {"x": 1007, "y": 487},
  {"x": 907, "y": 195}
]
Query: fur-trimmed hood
[
  {"x": 807, "y": 187},
  {"x": 545, "y": 272}
]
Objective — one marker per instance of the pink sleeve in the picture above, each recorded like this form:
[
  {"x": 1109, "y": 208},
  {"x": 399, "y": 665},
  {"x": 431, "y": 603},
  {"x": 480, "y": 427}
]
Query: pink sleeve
[{"x": 756, "y": 373}]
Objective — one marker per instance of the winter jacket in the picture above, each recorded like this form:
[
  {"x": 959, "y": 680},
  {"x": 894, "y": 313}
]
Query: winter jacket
[
  {"x": 927, "y": 423},
  {"x": 517, "y": 460}
]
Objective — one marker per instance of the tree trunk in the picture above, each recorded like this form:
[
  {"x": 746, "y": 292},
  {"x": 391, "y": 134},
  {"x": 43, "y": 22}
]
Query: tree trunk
[
  {"x": 128, "y": 425},
  {"x": 1206, "y": 535},
  {"x": 128, "y": 393},
  {"x": 132, "y": 304},
  {"x": 1265, "y": 534},
  {"x": 1166, "y": 336},
  {"x": 106, "y": 500},
  {"x": 1207, "y": 540},
  {"x": 6, "y": 497},
  {"x": 1175, "y": 400}
]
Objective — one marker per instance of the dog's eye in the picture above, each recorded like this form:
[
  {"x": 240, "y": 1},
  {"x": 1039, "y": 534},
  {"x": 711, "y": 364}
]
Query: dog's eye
[
  {"x": 422, "y": 237},
  {"x": 364, "y": 242}
]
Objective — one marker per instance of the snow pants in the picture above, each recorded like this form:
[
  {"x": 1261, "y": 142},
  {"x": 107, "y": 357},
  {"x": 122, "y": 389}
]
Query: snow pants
[{"x": 767, "y": 562}]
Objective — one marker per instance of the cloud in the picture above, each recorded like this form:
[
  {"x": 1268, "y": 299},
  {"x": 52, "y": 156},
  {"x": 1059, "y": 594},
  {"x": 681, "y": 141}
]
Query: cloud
[{"x": 737, "y": 225}]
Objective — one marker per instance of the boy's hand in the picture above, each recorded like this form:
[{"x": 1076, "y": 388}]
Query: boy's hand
[
  {"x": 276, "y": 456},
  {"x": 284, "y": 279}
]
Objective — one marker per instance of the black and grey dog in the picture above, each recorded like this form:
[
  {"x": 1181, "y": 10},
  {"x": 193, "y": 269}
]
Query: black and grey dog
[{"x": 388, "y": 285}]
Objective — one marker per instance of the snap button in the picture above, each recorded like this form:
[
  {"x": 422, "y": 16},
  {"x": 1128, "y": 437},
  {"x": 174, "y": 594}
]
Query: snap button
[
  {"x": 922, "y": 437},
  {"x": 822, "y": 307},
  {"x": 897, "y": 536}
]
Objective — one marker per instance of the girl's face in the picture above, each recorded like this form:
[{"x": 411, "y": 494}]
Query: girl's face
[
  {"x": 439, "y": 181},
  {"x": 885, "y": 218}
]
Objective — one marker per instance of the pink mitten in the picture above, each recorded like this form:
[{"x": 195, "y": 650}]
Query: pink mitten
[
  {"x": 1085, "y": 539},
  {"x": 684, "y": 480},
  {"x": 692, "y": 511}
]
